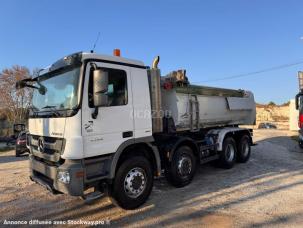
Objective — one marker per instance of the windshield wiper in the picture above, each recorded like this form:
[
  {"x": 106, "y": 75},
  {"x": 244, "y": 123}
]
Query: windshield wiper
[
  {"x": 34, "y": 109},
  {"x": 52, "y": 108}
]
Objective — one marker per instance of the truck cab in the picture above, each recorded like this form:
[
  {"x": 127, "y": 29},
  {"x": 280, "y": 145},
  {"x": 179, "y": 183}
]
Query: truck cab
[
  {"x": 76, "y": 131},
  {"x": 299, "y": 107}
]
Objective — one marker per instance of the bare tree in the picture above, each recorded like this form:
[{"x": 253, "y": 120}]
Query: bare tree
[{"x": 14, "y": 102}]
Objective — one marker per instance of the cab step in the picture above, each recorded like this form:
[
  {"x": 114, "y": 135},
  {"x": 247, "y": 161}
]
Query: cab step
[{"x": 90, "y": 197}]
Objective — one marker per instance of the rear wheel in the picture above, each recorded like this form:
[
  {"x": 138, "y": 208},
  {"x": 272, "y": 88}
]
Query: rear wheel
[
  {"x": 133, "y": 183},
  {"x": 228, "y": 154},
  {"x": 182, "y": 168},
  {"x": 244, "y": 149}
]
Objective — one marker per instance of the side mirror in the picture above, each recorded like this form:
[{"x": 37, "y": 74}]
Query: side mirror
[
  {"x": 298, "y": 97},
  {"x": 100, "y": 87},
  {"x": 20, "y": 85}
]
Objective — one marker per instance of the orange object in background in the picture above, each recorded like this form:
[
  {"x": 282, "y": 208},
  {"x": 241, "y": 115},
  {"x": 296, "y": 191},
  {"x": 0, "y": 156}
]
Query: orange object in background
[{"x": 117, "y": 52}]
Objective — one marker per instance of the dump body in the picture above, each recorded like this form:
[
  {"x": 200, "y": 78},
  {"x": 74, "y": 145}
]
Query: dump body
[{"x": 195, "y": 107}]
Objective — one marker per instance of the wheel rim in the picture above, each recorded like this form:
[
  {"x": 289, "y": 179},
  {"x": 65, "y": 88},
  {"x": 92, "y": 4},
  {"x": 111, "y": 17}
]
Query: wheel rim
[
  {"x": 245, "y": 149},
  {"x": 135, "y": 182},
  {"x": 230, "y": 153},
  {"x": 184, "y": 165}
]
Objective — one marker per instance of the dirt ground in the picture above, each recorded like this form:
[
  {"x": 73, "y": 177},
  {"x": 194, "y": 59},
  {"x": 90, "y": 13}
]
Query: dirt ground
[{"x": 265, "y": 192}]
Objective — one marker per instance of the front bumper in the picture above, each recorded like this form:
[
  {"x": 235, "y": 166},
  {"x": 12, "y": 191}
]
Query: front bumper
[{"x": 46, "y": 175}]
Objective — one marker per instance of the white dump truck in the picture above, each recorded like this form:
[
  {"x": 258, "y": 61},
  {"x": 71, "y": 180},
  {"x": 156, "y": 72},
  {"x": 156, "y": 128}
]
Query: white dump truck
[{"x": 107, "y": 125}]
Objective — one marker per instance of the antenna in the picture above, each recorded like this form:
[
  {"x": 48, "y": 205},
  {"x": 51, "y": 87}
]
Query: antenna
[{"x": 92, "y": 51}]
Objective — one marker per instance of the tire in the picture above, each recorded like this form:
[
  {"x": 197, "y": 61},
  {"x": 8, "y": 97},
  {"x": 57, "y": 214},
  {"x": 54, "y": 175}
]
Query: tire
[
  {"x": 243, "y": 153},
  {"x": 182, "y": 168},
  {"x": 228, "y": 154},
  {"x": 300, "y": 143},
  {"x": 122, "y": 192},
  {"x": 17, "y": 153}
]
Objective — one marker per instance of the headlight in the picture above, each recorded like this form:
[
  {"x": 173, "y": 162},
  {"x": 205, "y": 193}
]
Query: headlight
[{"x": 63, "y": 176}]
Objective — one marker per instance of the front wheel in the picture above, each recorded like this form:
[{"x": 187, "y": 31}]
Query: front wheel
[
  {"x": 182, "y": 167},
  {"x": 133, "y": 183}
]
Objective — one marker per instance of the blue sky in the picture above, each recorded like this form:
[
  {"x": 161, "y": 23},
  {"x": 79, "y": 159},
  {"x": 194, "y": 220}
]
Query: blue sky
[{"x": 210, "y": 39}]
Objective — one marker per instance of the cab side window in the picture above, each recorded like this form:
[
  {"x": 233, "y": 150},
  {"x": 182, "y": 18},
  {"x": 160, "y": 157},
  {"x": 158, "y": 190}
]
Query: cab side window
[{"x": 117, "y": 87}]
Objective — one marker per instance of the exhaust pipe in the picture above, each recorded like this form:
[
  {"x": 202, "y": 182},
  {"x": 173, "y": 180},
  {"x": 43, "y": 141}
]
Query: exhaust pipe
[
  {"x": 155, "y": 62},
  {"x": 154, "y": 77}
]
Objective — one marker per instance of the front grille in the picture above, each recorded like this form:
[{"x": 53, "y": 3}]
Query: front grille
[
  {"x": 51, "y": 144},
  {"x": 46, "y": 148},
  {"x": 49, "y": 162}
]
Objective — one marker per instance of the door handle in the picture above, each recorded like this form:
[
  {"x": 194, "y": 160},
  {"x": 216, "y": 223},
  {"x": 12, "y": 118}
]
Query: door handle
[{"x": 127, "y": 134}]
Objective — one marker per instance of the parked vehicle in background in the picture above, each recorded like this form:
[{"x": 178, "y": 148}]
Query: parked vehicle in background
[
  {"x": 21, "y": 147},
  {"x": 110, "y": 124},
  {"x": 299, "y": 107},
  {"x": 267, "y": 126},
  {"x": 17, "y": 128}
]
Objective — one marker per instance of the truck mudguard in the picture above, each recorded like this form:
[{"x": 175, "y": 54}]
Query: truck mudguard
[{"x": 146, "y": 140}]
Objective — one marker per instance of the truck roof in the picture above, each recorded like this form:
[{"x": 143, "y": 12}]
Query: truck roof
[
  {"x": 93, "y": 56},
  {"x": 86, "y": 55}
]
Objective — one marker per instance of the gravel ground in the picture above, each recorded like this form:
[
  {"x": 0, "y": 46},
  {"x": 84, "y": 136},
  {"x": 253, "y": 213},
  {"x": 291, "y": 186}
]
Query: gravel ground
[{"x": 266, "y": 191}]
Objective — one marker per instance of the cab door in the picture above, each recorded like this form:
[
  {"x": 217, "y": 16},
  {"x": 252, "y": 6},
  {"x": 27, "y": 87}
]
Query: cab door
[{"x": 114, "y": 122}]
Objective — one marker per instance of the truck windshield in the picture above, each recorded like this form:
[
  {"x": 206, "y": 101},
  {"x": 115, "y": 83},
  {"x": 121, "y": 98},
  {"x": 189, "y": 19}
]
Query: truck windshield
[{"x": 61, "y": 92}]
